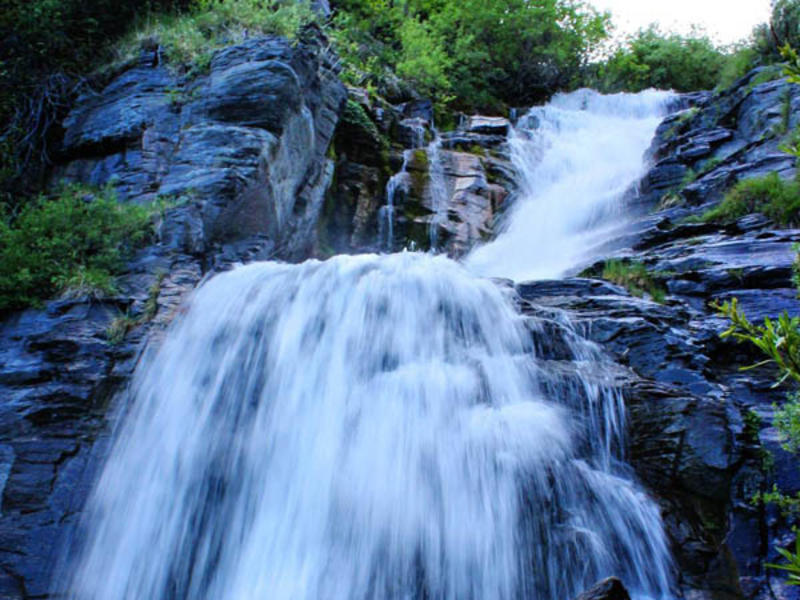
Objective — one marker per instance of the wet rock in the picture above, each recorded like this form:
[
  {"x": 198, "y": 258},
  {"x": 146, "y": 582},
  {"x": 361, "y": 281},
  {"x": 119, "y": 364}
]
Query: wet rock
[
  {"x": 488, "y": 125},
  {"x": 608, "y": 589}
]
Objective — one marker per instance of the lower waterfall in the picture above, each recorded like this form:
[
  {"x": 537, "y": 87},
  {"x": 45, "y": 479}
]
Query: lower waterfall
[{"x": 368, "y": 427}]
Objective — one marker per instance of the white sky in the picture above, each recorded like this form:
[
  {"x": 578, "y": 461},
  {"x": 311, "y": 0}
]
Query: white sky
[{"x": 725, "y": 21}]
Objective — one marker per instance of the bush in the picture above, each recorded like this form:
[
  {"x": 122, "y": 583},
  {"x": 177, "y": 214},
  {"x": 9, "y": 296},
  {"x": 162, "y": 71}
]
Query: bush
[
  {"x": 72, "y": 243},
  {"x": 46, "y": 46},
  {"x": 770, "y": 195},
  {"x": 481, "y": 54},
  {"x": 653, "y": 59}
]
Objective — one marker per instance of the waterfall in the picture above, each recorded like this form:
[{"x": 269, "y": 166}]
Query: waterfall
[
  {"x": 375, "y": 427},
  {"x": 575, "y": 158},
  {"x": 437, "y": 187},
  {"x": 386, "y": 212}
]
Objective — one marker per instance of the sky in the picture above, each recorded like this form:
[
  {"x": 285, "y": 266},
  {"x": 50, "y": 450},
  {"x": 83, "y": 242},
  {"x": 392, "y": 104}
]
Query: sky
[{"x": 726, "y": 21}]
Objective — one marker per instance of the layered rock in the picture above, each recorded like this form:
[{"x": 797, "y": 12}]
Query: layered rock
[
  {"x": 235, "y": 152},
  {"x": 441, "y": 191}
]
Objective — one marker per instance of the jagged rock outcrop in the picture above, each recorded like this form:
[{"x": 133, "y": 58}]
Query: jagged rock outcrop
[
  {"x": 390, "y": 166},
  {"x": 235, "y": 152},
  {"x": 608, "y": 589}
]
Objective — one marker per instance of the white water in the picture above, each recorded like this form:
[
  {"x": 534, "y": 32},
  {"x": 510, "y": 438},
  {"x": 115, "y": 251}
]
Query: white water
[
  {"x": 575, "y": 159},
  {"x": 439, "y": 195},
  {"x": 371, "y": 427},
  {"x": 386, "y": 212}
]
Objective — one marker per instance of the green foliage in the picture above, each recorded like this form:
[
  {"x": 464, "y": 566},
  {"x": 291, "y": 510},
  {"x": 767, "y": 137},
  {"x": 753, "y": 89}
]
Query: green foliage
[
  {"x": 738, "y": 63},
  {"x": 778, "y": 339},
  {"x": 72, "y": 243},
  {"x": 635, "y": 277},
  {"x": 787, "y": 422},
  {"x": 770, "y": 195},
  {"x": 477, "y": 54},
  {"x": 423, "y": 60},
  {"x": 46, "y": 46},
  {"x": 192, "y": 36},
  {"x": 792, "y": 564},
  {"x": 119, "y": 328},
  {"x": 654, "y": 59}
]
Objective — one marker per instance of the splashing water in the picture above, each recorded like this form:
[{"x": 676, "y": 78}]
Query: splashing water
[
  {"x": 365, "y": 428},
  {"x": 575, "y": 159}
]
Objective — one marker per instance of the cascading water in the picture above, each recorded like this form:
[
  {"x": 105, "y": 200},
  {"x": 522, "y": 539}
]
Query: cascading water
[
  {"x": 369, "y": 427},
  {"x": 575, "y": 158},
  {"x": 386, "y": 212},
  {"x": 437, "y": 189}
]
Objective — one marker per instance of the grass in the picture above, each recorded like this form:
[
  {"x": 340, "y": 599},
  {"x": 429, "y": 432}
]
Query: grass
[
  {"x": 776, "y": 198},
  {"x": 121, "y": 325},
  {"x": 72, "y": 243},
  {"x": 119, "y": 328},
  {"x": 190, "y": 39},
  {"x": 635, "y": 277}
]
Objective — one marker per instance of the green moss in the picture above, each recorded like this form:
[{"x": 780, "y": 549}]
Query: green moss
[
  {"x": 119, "y": 328},
  {"x": 770, "y": 195}
]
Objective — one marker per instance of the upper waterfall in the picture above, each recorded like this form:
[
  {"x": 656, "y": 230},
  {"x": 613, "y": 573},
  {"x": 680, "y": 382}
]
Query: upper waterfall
[{"x": 575, "y": 159}]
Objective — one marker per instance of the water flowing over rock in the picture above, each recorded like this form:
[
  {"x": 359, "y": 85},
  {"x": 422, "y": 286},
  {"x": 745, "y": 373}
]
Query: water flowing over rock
[
  {"x": 577, "y": 158},
  {"x": 366, "y": 427}
]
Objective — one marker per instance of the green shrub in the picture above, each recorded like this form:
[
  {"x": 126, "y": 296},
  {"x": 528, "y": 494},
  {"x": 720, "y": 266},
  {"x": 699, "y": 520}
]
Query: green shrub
[
  {"x": 72, "y": 243},
  {"x": 635, "y": 277},
  {"x": 652, "y": 58},
  {"x": 770, "y": 195}
]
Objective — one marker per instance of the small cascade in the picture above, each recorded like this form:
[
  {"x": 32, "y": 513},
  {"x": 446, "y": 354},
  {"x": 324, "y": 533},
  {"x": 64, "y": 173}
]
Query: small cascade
[
  {"x": 396, "y": 182},
  {"x": 439, "y": 196},
  {"x": 575, "y": 158}
]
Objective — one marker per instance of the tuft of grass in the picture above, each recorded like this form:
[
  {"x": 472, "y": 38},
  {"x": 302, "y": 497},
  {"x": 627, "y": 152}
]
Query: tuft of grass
[
  {"x": 151, "y": 304},
  {"x": 119, "y": 328},
  {"x": 72, "y": 243},
  {"x": 635, "y": 277},
  {"x": 191, "y": 38},
  {"x": 770, "y": 195}
]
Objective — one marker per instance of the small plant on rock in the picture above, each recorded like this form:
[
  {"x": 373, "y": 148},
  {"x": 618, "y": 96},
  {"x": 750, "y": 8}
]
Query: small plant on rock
[
  {"x": 770, "y": 195},
  {"x": 635, "y": 277}
]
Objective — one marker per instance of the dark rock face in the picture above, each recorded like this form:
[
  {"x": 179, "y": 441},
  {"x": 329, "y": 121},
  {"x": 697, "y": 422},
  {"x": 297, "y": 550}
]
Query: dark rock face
[
  {"x": 608, "y": 589},
  {"x": 249, "y": 138},
  {"x": 393, "y": 148}
]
